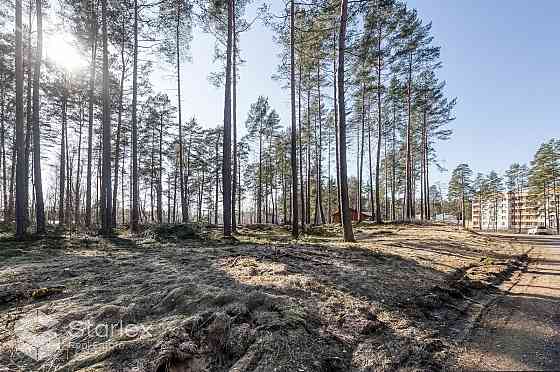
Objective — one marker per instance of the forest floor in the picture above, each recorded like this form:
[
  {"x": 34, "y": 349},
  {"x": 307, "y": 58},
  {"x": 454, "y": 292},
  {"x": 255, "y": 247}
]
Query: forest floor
[{"x": 404, "y": 297}]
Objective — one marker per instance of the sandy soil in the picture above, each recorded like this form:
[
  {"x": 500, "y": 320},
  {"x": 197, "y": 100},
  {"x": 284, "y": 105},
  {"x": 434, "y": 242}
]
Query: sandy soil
[
  {"x": 401, "y": 298},
  {"x": 520, "y": 328}
]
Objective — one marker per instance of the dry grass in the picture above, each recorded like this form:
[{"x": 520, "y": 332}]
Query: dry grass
[{"x": 266, "y": 303}]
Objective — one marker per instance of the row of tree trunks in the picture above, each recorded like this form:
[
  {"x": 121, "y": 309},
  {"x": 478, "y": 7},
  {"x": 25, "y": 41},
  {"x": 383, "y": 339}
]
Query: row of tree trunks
[{"x": 108, "y": 201}]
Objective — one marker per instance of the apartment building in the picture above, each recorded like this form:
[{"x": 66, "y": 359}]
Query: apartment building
[
  {"x": 513, "y": 211},
  {"x": 488, "y": 214}
]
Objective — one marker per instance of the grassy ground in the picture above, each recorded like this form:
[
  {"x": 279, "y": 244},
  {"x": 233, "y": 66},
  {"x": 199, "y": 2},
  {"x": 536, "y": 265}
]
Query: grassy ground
[{"x": 398, "y": 299}]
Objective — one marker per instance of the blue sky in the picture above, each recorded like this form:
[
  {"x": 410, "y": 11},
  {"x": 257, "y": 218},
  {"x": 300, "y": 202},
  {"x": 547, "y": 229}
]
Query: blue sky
[{"x": 500, "y": 60}]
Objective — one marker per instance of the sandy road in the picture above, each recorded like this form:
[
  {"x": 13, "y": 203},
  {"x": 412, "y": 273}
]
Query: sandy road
[{"x": 520, "y": 330}]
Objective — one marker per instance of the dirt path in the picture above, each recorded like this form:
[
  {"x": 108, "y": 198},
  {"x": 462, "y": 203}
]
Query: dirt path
[{"x": 520, "y": 329}]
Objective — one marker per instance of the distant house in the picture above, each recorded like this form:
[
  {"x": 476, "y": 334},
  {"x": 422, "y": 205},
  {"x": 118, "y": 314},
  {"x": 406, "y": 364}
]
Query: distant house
[{"x": 365, "y": 216}]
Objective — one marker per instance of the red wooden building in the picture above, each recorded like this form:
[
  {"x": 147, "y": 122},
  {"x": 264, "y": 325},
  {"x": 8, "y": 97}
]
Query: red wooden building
[{"x": 365, "y": 216}]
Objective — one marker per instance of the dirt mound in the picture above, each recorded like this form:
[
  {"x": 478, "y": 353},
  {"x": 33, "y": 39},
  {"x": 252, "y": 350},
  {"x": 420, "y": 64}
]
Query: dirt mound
[
  {"x": 205, "y": 328},
  {"x": 486, "y": 273},
  {"x": 258, "y": 227},
  {"x": 228, "y": 331},
  {"x": 242, "y": 332},
  {"x": 328, "y": 231},
  {"x": 491, "y": 271},
  {"x": 173, "y": 233},
  {"x": 260, "y": 332}
]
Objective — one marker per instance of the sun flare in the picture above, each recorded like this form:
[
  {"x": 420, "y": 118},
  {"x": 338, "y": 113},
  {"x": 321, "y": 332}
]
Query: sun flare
[{"x": 61, "y": 50}]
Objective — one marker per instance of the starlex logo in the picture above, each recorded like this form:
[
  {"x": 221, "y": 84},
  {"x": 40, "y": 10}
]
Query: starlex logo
[{"x": 34, "y": 336}]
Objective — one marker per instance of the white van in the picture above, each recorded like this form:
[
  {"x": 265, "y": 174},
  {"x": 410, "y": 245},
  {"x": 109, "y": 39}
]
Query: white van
[{"x": 540, "y": 230}]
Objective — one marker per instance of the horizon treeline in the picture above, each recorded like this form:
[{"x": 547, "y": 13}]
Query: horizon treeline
[{"x": 99, "y": 146}]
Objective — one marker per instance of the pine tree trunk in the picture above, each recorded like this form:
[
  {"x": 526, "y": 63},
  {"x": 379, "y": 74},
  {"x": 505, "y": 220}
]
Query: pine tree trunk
[
  {"x": 319, "y": 213},
  {"x": 386, "y": 175},
  {"x": 152, "y": 174},
  {"x": 184, "y": 211},
  {"x": 293, "y": 133},
  {"x": 54, "y": 205},
  {"x": 11, "y": 202},
  {"x": 422, "y": 177},
  {"x": 361, "y": 145},
  {"x": 300, "y": 138},
  {"x": 199, "y": 215},
  {"x": 160, "y": 174},
  {"x": 216, "y": 181},
  {"x": 308, "y": 162},
  {"x": 413, "y": 182},
  {"x": 259, "y": 189},
  {"x": 20, "y": 171},
  {"x": 240, "y": 211},
  {"x": 226, "y": 153},
  {"x": 358, "y": 185},
  {"x": 135, "y": 213},
  {"x": 234, "y": 122},
  {"x": 93, "y": 45},
  {"x": 268, "y": 186},
  {"x": 335, "y": 109},
  {"x": 106, "y": 199},
  {"x": 118, "y": 142},
  {"x": 38, "y": 178},
  {"x": 175, "y": 174},
  {"x": 346, "y": 216},
  {"x": 371, "y": 192},
  {"x": 3, "y": 144},
  {"x": 394, "y": 168},
  {"x": 329, "y": 184},
  {"x": 62, "y": 166},
  {"x": 187, "y": 176},
  {"x": 123, "y": 220},
  {"x": 29, "y": 114},
  {"x": 284, "y": 198},
  {"x": 69, "y": 169},
  {"x": 379, "y": 134},
  {"x": 78, "y": 171},
  {"x": 463, "y": 205},
  {"x": 426, "y": 169},
  {"x": 168, "y": 198},
  {"x": 32, "y": 205},
  {"x": 409, "y": 170}
]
